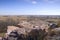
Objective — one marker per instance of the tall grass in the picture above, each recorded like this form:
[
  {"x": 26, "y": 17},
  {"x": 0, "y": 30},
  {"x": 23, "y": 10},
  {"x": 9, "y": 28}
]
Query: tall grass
[{"x": 2, "y": 34}]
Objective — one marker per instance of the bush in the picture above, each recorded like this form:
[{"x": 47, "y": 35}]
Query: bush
[
  {"x": 8, "y": 22},
  {"x": 37, "y": 35}
]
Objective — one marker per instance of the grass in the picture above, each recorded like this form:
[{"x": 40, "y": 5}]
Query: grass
[{"x": 2, "y": 34}]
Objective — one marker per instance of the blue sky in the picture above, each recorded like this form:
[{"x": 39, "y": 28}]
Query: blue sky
[{"x": 29, "y": 7}]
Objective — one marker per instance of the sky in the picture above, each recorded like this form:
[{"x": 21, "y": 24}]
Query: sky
[{"x": 29, "y": 7}]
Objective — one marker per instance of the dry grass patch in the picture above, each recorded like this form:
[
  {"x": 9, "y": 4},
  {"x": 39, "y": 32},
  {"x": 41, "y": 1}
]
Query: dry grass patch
[{"x": 2, "y": 34}]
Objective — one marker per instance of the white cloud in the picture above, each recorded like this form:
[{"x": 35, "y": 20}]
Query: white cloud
[
  {"x": 34, "y": 2},
  {"x": 51, "y": 1},
  {"x": 31, "y": 1}
]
